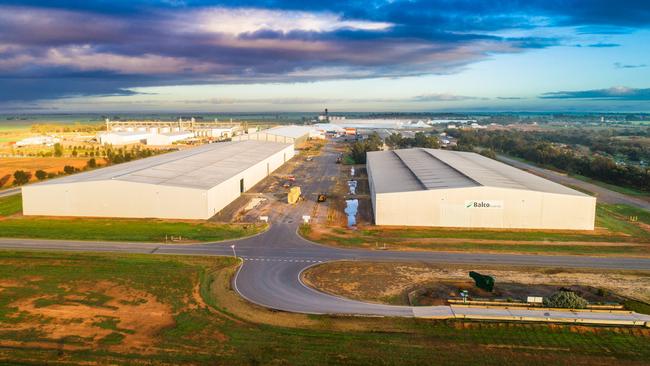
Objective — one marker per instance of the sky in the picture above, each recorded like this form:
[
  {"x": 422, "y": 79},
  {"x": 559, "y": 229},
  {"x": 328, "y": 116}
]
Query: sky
[{"x": 368, "y": 55}]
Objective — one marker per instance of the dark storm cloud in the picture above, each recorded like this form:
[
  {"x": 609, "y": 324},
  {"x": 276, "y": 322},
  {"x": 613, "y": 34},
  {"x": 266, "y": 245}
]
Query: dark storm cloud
[{"x": 104, "y": 47}]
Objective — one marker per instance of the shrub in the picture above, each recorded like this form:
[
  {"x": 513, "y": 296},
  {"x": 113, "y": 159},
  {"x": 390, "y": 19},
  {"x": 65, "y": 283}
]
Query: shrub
[
  {"x": 21, "y": 177},
  {"x": 567, "y": 300},
  {"x": 482, "y": 281},
  {"x": 40, "y": 174},
  {"x": 68, "y": 169},
  {"x": 92, "y": 163}
]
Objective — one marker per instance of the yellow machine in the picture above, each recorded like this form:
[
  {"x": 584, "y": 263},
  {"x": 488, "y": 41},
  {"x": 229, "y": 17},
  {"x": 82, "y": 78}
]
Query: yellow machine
[{"x": 294, "y": 195}]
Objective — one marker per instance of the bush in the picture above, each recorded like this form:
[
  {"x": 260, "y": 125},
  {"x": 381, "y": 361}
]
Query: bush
[
  {"x": 482, "y": 281},
  {"x": 92, "y": 163},
  {"x": 40, "y": 174},
  {"x": 68, "y": 169},
  {"x": 566, "y": 300},
  {"x": 21, "y": 177}
]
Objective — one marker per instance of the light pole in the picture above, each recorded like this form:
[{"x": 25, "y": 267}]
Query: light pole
[{"x": 234, "y": 253}]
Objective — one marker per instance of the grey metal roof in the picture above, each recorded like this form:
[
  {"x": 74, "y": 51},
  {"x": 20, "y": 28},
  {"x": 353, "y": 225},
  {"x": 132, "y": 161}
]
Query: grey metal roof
[
  {"x": 425, "y": 169},
  {"x": 201, "y": 167}
]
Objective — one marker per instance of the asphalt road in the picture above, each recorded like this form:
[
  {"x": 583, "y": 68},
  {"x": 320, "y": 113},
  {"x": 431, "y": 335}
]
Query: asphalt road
[
  {"x": 602, "y": 194},
  {"x": 274, "y": 260}
]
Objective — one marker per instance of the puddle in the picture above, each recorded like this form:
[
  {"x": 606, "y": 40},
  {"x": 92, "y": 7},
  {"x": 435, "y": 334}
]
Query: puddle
[{"x": 351, "y": 207}]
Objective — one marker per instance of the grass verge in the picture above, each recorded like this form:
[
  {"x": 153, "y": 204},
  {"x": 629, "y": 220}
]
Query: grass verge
[
  {"x": 186, "y": 329},
  {"x": 11, "y": 205},
  {"x": 621, "y": 230},
  {"x": 612, "y": 187},
  {"x": 139, "y": 230}
]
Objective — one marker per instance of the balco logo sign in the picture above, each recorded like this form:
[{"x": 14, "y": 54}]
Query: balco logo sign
[{"x": 483, "y": 204}]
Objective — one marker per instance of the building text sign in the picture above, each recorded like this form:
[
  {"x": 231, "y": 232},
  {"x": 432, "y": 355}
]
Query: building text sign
[{"x": 483, "y": 204}]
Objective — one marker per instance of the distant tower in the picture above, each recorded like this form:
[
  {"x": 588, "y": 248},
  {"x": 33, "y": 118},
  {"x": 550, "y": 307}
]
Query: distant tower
[{"x": 327, "y": 116}]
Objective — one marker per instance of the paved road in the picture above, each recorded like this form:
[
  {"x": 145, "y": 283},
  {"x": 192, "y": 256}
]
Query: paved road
[
  {"x": 603, "y": 194},
  {"x": 274, "y": 260},
  {"x": 9, "y": 192}
]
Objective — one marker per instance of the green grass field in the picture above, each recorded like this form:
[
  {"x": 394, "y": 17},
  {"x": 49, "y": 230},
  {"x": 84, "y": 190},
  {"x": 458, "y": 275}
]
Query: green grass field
[
  {"x": 11, "y": 205},
  {"x": 122, "y": 229},
  {"x": 612, "y": 187},
  {"x": 141, "y": 230},
  {"x": 198, "y": 330}
]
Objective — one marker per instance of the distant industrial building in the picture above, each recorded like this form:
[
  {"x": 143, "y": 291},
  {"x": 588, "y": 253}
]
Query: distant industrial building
[
  {"x": 165, "y": 132},
  {"x": 124, "y": 137},
  {"x": 431, "y": 187},
  {"x": 189, "y": 184},
  {"x": 290, "y": 134},
  {"x": 38, "y": 140},
  {"x": 168, "y": 138}
]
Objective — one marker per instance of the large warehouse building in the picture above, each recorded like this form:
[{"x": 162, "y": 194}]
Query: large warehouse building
[
  {"x": 430, "y": 187},
  {"x": 190, "y": 184}
]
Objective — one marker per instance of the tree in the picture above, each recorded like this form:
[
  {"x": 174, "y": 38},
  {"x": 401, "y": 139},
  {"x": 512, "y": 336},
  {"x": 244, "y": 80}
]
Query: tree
[
  {"x": 58, "y": 150},
  {"x": 422, "y": 140},
  {"x": 374, "y": 142},
  {"x": 68, "y": 169},
  {"x": 92, "y": 163},
  {"x": 74, "y": 152},
  {"x": 566, "y": 299},
  {"x": 395, "y": 140},
  {"x": 40, "y": 174},
  {"x": 21, "y": 177}
]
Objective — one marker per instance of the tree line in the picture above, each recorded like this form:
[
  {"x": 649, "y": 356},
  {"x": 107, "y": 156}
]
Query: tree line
[
  {"x": 358, "y": 149},
  {"x": 537, "y": 149}
]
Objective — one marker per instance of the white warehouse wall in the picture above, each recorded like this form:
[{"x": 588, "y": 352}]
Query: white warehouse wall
[
  {"x": 519, "y": 209},
  {"x": 116, "y": 198},
  {"x": 226, "y": 192}
]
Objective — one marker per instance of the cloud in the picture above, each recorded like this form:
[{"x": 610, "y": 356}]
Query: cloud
[
  {"x": 442, "y": 98},
  {"x": 510, "y": 98},
  {"x": 615, "y": 93},
  {"x": 619, "y": 65},
  {"x": 141, "y": 43},
  {"x": 603, "y": 45}
]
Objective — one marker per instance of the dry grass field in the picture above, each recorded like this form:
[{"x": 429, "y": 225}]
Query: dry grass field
[
  {"x": 391, "y": 282},
  {"x": 50, "y": 165},
  {"x": 90, "y": 309}
]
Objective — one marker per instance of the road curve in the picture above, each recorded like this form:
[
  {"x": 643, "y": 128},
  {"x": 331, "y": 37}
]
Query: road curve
[{"x": 274, "y": 260}]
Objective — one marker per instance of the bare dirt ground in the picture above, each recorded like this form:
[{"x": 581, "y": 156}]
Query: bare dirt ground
[
  {"x": 391, "y": 282},
  {"x": 88, "y": 313},
  {"x": 269, "y": 196}
]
